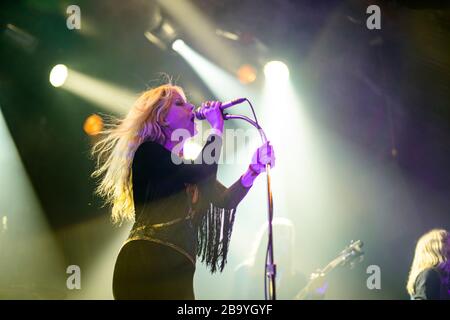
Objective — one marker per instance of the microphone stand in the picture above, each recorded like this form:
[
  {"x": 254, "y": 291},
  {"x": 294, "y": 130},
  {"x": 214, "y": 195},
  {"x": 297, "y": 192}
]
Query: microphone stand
[{"x": 270, "y": 264}]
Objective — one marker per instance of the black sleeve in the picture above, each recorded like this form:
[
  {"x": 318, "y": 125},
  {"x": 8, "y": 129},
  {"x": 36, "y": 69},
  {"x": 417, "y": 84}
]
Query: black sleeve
[
  {"x": 206, "y": 164},
  {"x": 229, "y": 198},
  {"x": 154, "y": 162},
  {"x": 428, "y": 285}
]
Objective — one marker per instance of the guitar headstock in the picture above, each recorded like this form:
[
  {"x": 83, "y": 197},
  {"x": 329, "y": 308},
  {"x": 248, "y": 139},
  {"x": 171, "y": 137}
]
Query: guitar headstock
[{"x": 352, "y": 254}]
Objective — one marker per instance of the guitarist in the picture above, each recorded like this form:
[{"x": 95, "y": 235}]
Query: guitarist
[
  {"x": 249, "y": 275},
  {"x": 429, "y": 277},
  {"x": 316, "y": 287}
]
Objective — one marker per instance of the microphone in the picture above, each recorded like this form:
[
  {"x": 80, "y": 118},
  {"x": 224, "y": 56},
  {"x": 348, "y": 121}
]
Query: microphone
[{"x": 199, "y": 113}]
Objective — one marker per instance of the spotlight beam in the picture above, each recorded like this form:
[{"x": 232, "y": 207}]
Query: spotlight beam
[{"x": 110, "y": 97}]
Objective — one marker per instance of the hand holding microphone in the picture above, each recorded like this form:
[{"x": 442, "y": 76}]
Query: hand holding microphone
[
  {"x": 200, "y": 112},
  {"x": 212, "y": 112}
]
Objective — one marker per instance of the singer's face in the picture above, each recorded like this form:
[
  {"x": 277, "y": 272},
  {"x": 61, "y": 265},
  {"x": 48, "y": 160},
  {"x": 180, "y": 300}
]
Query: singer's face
[{"x": 181, "y": 115}]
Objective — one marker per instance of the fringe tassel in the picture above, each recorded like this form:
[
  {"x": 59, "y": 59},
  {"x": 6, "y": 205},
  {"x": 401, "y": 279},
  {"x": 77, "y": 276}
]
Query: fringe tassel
[{"x": 214, "y": 234}]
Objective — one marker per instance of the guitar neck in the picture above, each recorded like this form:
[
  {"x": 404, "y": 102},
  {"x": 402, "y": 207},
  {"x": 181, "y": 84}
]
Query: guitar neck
[
  {"x": 329, "y": 267},
  {"x": 348, "y": 255},
  {"x": 324, "y": 272}
]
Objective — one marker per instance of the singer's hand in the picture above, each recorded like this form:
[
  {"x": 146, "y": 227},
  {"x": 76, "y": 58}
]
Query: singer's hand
[
  {"x": 213, "y": 114},
  {"x": 262, "y": 156}
]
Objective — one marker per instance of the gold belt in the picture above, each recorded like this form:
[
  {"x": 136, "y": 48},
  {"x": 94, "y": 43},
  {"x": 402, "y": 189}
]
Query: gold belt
[{"x": 159, "y": 241}]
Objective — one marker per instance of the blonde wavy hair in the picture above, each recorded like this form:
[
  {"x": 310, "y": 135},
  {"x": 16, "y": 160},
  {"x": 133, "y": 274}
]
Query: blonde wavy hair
[
  {"x": 115, "y": 151},
  {"x": 431, "y": 251}
]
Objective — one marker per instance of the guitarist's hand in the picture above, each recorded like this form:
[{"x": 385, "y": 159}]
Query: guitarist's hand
[{"x": 318, "y": 286}]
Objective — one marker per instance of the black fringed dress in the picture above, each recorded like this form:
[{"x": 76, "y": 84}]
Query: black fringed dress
[{"x": 182, "y": 212}]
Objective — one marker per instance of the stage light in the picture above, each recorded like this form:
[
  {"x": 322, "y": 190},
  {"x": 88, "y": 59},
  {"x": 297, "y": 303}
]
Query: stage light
[
  {"x": 177, "y": 45},
  {"x": 191, "y": 21},
  {"x": 222, "y": 84},
  {"x": 20, "y": 38},
  {"x": 106, "y": 95},
  {"x": 246, "y": 74},
  {"x": 276, "y": 70},
  {"x": 58, "y": 75},
  {"x": 93, "y": 125},
  {"x": 161, "y": 33}
]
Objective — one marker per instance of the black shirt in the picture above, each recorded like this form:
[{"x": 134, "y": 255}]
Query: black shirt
[
  {"x": 163, "y": 206},
  {"x": 430, "y": 285}
]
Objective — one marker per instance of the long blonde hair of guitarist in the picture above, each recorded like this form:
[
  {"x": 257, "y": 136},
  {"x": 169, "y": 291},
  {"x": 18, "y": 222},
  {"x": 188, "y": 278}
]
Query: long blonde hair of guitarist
[{"x": 432, "y": 251}]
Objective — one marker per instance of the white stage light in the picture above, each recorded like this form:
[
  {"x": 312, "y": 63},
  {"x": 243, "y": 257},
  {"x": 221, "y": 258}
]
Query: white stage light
[
  {"x": 58, "y": 75},
  {"x": 178, "y": 44},
  {"x": 276, "y": 70}
]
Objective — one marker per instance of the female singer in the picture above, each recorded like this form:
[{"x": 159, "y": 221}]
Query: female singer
[
  {"x": 429, "y": 275},
  {"x": 180, "y": 211}
]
